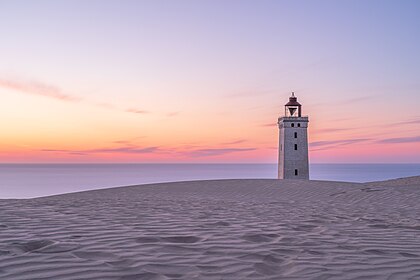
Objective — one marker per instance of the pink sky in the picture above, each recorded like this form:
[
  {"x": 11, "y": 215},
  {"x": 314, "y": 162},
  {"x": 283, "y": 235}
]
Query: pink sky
[{"x": 147, "y": 82}]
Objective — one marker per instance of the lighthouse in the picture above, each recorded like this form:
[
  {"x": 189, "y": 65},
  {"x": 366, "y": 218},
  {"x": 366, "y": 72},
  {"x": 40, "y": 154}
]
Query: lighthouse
[{"x": 293, "y": 142}]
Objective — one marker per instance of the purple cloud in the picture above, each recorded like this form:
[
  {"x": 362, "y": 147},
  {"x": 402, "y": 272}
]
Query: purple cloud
[
  {"x": 335, "y": 142},
  {"x": 126, "y": 150},
  {"x": 119, "y": 150},
  {"x": 323, "y": 145},
  {"x": 412, "y": 121},
  {"x": 70, "y": 152},
  {"x": 37, "y": 88},
  {"x": 410, "y": 139},
  {"x": 217, "y": 152}
]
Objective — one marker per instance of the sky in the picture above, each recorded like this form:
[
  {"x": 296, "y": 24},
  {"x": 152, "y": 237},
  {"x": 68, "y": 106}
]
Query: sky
[{"x": 86, "y": 81}]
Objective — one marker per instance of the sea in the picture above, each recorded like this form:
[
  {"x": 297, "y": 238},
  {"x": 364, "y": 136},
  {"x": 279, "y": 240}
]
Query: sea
[{"x": 36, "y": 180}]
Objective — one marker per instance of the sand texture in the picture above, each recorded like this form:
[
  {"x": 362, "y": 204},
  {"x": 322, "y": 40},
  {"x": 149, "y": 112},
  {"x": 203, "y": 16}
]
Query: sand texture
[{"x": 221, "y": 229}]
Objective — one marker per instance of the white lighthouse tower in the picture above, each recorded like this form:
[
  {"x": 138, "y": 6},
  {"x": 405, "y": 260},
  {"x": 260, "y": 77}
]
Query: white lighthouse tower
[{"x": 293, "y": 142}]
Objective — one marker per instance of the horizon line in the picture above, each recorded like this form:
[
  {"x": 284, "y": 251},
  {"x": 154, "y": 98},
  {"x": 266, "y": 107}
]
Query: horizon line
[{"x": 208, "y": 163}]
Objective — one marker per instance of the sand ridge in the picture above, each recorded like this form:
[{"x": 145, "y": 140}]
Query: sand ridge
[{"x": 218, "y": 229}]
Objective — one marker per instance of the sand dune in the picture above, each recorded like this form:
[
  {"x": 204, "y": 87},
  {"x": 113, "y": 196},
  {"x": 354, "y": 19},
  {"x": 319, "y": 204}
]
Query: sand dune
[{"x": 220, "y": 229}]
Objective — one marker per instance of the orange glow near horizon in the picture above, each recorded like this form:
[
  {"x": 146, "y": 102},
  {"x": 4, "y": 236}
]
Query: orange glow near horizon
[{"x": 84, "y": 133}]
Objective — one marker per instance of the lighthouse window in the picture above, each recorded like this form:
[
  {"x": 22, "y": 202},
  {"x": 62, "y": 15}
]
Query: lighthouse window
[
  {"x": 298, "y": 124},
  {"x": 295, "y": 147},
  {"x": 295, "y": 134},
  {"x": 296, "y": 172},
  {"x": 293, "y": 125}
]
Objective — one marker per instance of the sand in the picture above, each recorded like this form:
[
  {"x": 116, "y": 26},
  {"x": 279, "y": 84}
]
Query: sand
[{"x": 220, "y": 229}]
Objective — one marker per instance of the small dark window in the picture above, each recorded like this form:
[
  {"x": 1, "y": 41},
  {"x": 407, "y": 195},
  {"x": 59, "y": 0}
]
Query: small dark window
[
  {"x": 293, "y": 125},
  {"x": 295, "y": 134},
  {"x": 295, "y": 147},
  {"x": 296, "y": 172},
  {"x": 298, "y": 124}
]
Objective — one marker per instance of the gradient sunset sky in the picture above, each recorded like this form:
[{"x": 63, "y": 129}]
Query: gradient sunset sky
[{"x": 205, "y": 81}]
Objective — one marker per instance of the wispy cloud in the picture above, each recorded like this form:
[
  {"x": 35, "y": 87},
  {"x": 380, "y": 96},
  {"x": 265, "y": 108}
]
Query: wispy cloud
[
  {"x": 328, "y": 144},
  {"x": 410, "y": 139},
  {"x": 37, "y": 88},
  {"x": 410, "y": 121},
  {"x": 349, "y": 101},
  {"x": 70, "y": 152},
  {"x": 268, "y": 124},
  {"x": 128, "y": 142},
  {"x": 361, "y": 99},
  {"x": 126, "y": 150},
  {"x": 137, "y": 111},
  {"x": 51, "y": 91},
  {"x": 217, "y": 151},
  {"x": 138, "y": 150},
  {"x": 335, "y": 142},
  {"x": 116, "y": 150},
  {"x": 328, "y": 130},
  {"x": 105, "y": 105},
  {"x": 172, "y": 114},
  {"x": 234, "y": 142}
]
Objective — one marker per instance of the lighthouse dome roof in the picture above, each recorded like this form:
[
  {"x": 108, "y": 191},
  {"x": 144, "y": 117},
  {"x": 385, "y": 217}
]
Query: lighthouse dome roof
[{"x": 293, "y": 101}]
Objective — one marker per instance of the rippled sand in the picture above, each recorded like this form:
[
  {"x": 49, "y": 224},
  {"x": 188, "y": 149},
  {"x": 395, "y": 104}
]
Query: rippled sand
[{"x": 222, "y": 229}]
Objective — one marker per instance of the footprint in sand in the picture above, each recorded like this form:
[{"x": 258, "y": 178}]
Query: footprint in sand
[
  {"x": 2, "y": 252},
  {"x": 21, "y": 247}
]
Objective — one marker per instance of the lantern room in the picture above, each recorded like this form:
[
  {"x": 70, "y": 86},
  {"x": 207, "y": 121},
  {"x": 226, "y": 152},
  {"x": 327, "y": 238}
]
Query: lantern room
[{"x": 293, "y": 108}]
